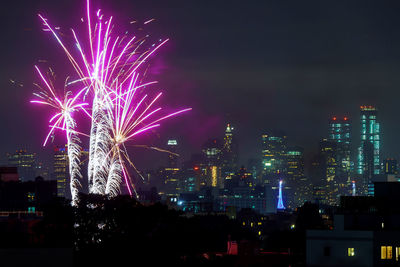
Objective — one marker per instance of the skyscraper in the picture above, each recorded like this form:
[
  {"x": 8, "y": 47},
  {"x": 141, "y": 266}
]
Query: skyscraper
[
  {"x": 229, "y": 150},
  {"x": 328, "y": 152},
  {"x": 172, "y": 158},
  {"x": 298, "y": 187},
  {"x": 214, "y": 158},
  {"x": 60, "y": 168},
  {"x": 273, "y": 155},
  {"x": 25, "y": 162},
  {"x": 171, "y": 172},
  {"x": 339, "y": 132},
  {"x": 368, "y": 156}
]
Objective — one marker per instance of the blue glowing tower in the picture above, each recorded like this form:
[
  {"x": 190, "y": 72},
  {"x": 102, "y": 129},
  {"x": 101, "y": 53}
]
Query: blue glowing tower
[
  {"x": 353, "y": 188},
  {"x": 280, "y": 202}
]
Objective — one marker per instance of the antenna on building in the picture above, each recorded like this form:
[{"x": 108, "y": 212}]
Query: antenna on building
[{"x": 280, "y": 201}]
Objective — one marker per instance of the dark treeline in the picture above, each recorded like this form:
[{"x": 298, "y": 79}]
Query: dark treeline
[{"x": 104, "y": 232}]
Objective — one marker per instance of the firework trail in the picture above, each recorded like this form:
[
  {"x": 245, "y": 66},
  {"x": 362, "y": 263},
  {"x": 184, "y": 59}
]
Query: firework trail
[
  {"x": 63, "y": 120},
  {"x": 130, "y": 117},
  {"x": 108, "y": 66}
]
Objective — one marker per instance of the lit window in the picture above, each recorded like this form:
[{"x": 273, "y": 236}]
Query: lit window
[
  {"x": 386, "y": 253},
  {"x": 397, "y": 253},
  {"x": 350, "y": 252},
  {"x": 383, "y": 253}
]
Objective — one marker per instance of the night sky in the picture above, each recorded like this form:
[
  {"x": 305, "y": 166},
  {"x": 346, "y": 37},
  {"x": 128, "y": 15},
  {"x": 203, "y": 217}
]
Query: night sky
[{"x": 265, "y": 65}]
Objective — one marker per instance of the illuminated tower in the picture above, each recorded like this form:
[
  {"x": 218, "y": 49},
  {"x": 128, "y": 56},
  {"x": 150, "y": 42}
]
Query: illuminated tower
[
  {"x": 171, "y": 171},
  {"x": 229, "y": 150},
  {"x": 273, "y": 155},
  {"x": 353, "y": 188},
  {"x": 280, "y": 201},
  {"x": 339, "y": 132},
  {"x": 328, "y": 153},
  {"x": 297, "y": 186},
  {"x": 368, "y": 156},
  {"x": 213, "y": 154},
  {"x": 172, "y": 147},
  {"x": 60, "y": 168}
]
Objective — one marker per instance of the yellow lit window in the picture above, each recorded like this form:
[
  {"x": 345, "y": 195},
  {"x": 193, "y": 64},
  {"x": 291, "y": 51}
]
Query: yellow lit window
[
  {"x": 350, "y": 252},
  {"x": 397, "y": 253},
  {"x": 383, "y": 252},
  {"x": 389, "y": 252},
  {"x": 386, "y": 253}
]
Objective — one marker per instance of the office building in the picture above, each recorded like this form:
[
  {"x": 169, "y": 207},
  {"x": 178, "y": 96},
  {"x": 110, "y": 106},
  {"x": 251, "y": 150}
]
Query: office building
[
  {"x": 229, "y": 150},
  {"x": 298, "y": 188},
  {"x": 273, "y": 156},
  {"x": 339, "y": 132},
  {"x": 60, "y": 169},
  {"x": 25, "y": 163},
  {"x": 368, "y": 156}
]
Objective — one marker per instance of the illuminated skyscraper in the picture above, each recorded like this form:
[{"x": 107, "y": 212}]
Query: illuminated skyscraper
[
  {"x": 328, "y": 152},
  {"x": 339, "y": 132},
  {"x": 171, "y": 172},
  {"x": 172, "y": 158},
  {"x": 60, "y": 168},
  {"x": 368, "y": 156},
  {"x": 229, "y": 150},
  {"x": 298, "y": 188},
  {"x": 213, "y": 154},
  {"x": 273, "y": 155},
  {"x": 25, "y": 162}
]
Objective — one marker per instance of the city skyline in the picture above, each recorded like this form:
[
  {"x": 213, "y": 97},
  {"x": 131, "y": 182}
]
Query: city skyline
[{"x": 298, "y": 82}]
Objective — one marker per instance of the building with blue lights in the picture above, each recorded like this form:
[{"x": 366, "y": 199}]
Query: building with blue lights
[
  {"x": 339, "y": 133},
  {"x": 368, "y": 157}
]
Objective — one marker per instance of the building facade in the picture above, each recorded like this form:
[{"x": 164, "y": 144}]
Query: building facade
[{"x": 368, "y": 157}]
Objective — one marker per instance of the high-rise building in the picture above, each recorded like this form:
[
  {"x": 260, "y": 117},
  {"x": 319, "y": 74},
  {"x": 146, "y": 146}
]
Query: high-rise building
[
  {"x": 25, "y": 163},
  {"x": 390, "y": 166},
  {"x": 60, "y": 168},
  {"x": 339, "y": 132},
  {"x": 328, "y": 152},
  {"x": 273, "y": 155},
  {"x": 171, "y": 172},
  {"x": 229, "y": 150},
  {"x": 368, "y": 157},
  {"x": 298, "y": 187},
  {"x": 213, "y": 154},
  {"x": 172, "y": 145},
  {"x": 212, "y": 151}
]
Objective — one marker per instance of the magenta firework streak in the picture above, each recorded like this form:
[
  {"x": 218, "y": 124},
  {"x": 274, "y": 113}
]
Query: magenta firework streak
[{"x": 108, "y": 68}]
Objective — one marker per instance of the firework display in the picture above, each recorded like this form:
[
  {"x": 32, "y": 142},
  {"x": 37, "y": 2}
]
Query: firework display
[{"x": 112, "y": 93}]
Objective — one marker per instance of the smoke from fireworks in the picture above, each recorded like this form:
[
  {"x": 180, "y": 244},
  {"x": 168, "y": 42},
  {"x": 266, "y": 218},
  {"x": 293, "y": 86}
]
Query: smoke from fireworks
[{"x": 108, "y": 68}]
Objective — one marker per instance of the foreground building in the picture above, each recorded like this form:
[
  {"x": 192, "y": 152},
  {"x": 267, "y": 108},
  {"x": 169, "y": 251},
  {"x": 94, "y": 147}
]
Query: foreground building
[{"x": 366, "y": 232}]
